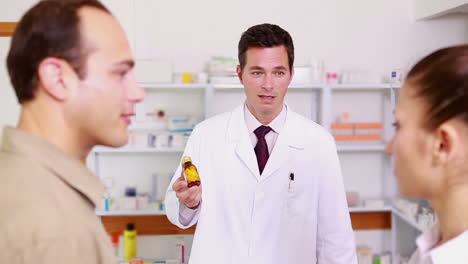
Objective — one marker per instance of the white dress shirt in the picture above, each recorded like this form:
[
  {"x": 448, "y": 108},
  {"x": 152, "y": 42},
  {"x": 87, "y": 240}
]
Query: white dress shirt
[
  {"x": 453, "y": 251},
  {"x": 276, "y": 126}
]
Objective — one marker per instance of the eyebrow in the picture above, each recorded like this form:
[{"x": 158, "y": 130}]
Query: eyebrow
[
  {"x": 128, "y": 63},
  {"x": 280, "y": 68},
  {"x": 261, "y": 68},
  {"x": 255, "y": 68}
]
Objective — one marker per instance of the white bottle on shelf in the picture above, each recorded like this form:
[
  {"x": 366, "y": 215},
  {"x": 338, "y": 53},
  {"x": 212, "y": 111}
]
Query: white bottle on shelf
[{"x": 317, "y": 71}]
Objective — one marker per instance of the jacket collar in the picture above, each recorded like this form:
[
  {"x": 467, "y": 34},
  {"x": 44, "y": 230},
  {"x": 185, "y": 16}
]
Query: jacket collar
[{"x": 68, "y": 169}]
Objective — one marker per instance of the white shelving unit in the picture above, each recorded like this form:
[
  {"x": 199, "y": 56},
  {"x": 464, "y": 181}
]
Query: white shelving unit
[
  {"x": 291, "y": 87},
  {"x": 130, "y": 212},
  {"x": 228, "y": 86},
  {"x": 135, "y": 150},
  {"x": 363, "y": 86},
  {"x": 159, "y": 212},
  {"x": 351, "y": 210},
  {"x": 319, "y": 96},
  {"x": 320, "y": 100},
  {"x": 361, "y": 148},
  {"x": 172, "y": 86}
]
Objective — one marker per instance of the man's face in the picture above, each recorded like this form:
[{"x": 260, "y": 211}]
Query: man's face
[
  {"x": 104, "y": 100},
  {"x": 266, "y": 77}
]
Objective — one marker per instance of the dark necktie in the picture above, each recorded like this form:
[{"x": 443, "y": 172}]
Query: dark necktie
[{"x": 261, "y": 149}]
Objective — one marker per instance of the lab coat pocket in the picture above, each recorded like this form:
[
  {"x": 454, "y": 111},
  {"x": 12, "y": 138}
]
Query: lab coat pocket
[{"x": 293, "y": 203}]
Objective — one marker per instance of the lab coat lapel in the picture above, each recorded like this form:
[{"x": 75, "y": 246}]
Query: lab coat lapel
[
  {"x": 288, "y": 138},
  {"x": 279, "y": 155},
  {"x": 239, "y": 136}
]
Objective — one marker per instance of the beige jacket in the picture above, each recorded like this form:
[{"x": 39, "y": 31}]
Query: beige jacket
[{"x": 47, "y": 202}]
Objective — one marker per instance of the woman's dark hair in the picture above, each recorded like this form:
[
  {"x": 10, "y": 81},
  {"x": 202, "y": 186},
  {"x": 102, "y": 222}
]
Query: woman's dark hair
[
  {"x": 48, "y": 29},
  {"x": 265, "y": 36},
  {"x": 441, "y": 80}
]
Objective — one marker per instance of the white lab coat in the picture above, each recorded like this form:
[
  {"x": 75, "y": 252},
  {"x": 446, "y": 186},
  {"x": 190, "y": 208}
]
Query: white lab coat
[{"x": 245, "y": 218}]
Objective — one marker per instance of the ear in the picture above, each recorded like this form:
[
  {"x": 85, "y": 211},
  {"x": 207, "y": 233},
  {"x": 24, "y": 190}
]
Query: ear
[
  {"x": 239, "y": 73},
  {"x": 446, "y": 144},
  {"x": 53, "y": 77}
]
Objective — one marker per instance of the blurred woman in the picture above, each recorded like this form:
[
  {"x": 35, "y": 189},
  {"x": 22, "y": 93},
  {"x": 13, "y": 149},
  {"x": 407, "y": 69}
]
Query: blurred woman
[{"x": 430, "y": 150}]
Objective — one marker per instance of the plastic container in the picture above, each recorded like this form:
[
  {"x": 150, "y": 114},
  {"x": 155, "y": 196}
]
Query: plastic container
[{"x": 130, "y": 242}]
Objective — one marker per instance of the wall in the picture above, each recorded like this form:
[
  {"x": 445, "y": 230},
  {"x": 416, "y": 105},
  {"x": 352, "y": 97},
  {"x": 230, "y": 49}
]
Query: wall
[
  {"x": 371, "y": 35},
  {"x": 431, "y": 8},
  {"x": 9, "y": 108},
  {"x": 367, "y": 34},
  {"x": 375, "y": 36},
  {"x": 10, "y": 11}
]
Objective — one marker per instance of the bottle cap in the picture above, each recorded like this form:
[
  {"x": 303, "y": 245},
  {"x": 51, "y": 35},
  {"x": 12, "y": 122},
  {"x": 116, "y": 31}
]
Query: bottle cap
[
  {"x": 130, "y": 226},
  {"x": 186, "y": 159}
]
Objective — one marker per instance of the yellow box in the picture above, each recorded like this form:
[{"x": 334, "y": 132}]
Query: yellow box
[{"x": 187, "y": 77}]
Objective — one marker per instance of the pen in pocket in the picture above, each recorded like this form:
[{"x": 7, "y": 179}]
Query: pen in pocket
[{"x": 291, "y": 179}]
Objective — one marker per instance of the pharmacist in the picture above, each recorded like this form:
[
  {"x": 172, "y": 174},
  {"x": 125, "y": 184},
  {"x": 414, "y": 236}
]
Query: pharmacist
[{"x": 271, "y": 188}]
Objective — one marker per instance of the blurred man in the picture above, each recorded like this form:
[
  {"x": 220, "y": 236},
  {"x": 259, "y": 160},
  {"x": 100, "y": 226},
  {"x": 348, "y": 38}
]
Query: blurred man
[{"x": 72, "y": 70}]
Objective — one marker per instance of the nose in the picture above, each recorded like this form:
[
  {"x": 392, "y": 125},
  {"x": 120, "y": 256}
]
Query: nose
[
  {"x": 389, "y": 147},
  {"x": 136, "y": 93},
  {"x": 267, "y": 83}
]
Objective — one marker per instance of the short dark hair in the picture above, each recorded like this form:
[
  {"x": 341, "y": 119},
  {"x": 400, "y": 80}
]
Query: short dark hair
[
  {"x": 49, "y": 29},
  {"x": 265, "y": 36},
  {"x": 441, "y": 80}
]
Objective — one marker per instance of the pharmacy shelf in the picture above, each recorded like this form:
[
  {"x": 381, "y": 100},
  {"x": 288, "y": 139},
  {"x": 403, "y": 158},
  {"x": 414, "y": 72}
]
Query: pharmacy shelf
[
  {"x": 156, "y": 223},
  {"x": 173, "y": 86},
  {"x": 7, "y": 28},
  {"x": 362, "y": 209},
  {"x": 382, "y": 86},
  {"x": 158, "y": 212},
  {"x": 147, "y": 126},
  {"x": 235, "y": 86},
  {"x": 129, "y": 212},
  {"x": 408, "y": 220},
  {"x": 292, "y": 86},
  {"x": 135, "y": 150},
  {"x": 228, "y": 86},
  {"x": 306, "y": 86},
  {"x": 360, "y": 148}
]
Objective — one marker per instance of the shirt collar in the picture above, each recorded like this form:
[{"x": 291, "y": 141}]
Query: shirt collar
[
  {"x": 455, "y": 248},
  {"x": 428, "y": 239},
  {"x": 276, "y": 125},
  {"x": 65, "y": 167}
]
